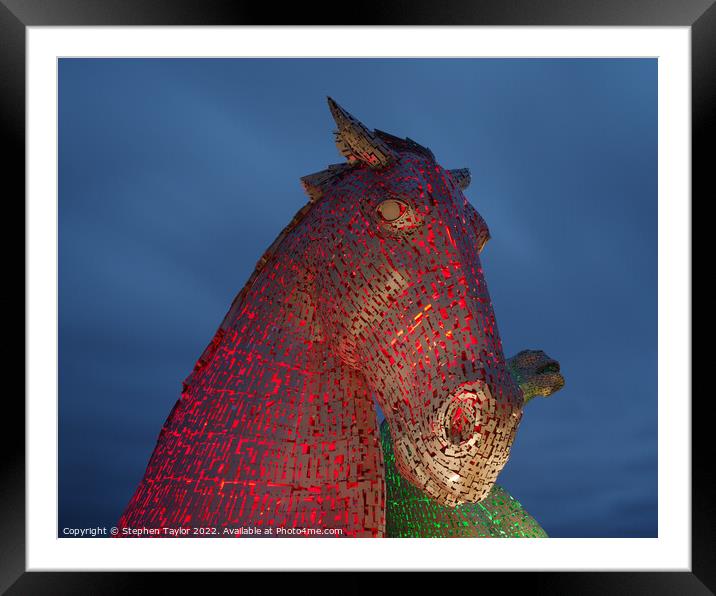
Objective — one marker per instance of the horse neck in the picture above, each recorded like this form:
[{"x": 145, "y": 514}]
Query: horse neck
[{"x": 301, "y": 424}]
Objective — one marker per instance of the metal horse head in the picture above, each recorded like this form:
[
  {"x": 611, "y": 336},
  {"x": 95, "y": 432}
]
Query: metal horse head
[
  {"x": 401, "y": 297},
  {"x": 374, "y": 289}
]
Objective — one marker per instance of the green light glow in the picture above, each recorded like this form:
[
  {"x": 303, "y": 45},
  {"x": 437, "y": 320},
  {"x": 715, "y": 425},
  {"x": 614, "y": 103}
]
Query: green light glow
[{"x": 411, "y": 515}]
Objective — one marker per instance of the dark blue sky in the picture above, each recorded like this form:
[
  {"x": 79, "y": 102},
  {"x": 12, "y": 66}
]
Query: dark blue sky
[{"x": 176, "y": 175}]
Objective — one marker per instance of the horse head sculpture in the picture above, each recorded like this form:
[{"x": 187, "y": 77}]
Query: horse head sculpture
[
  {"x": 403, "y": 299},
  {"x": 374, "y": 289}
]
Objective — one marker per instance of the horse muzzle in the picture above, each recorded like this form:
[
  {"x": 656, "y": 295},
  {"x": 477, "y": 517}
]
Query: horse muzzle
[{"x": 472, "y": 433}]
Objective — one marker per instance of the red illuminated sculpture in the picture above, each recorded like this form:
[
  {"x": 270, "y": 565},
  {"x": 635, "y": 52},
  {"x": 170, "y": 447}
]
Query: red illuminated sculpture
[{"x": 375, "y": 288}]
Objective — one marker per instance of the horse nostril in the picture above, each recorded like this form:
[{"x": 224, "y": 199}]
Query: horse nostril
[
  {"x": 552, "y": 366},
  {"x": 462, "y": 418},
  {"x": 461, "y": 422}
]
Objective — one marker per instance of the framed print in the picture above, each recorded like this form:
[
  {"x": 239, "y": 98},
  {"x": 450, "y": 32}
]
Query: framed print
[{"x": 413, "y": 283}]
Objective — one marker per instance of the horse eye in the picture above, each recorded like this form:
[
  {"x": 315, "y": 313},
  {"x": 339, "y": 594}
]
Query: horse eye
[{"x": 391, "y": 209}]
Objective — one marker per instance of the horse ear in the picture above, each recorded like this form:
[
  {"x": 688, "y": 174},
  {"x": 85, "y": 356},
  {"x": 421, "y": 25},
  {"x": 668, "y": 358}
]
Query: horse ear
[
  {"x": 357, "y": 143},
  {"x": 462, "y": 177},
  {"x": 315, "y": 184},
  {"x": 312, "y": 185}
]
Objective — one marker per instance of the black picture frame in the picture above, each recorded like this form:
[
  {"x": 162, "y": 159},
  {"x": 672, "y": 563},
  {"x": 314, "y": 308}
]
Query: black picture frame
[{"x": 17, "y": 15}]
